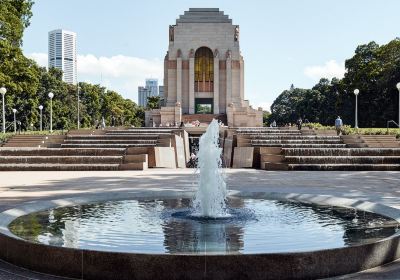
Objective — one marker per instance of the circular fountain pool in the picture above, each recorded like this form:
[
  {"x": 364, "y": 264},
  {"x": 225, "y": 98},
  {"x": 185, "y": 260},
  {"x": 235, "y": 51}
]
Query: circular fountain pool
[
  {"x": 148, "y": 236},
  {"x": 165, "y": 226}
]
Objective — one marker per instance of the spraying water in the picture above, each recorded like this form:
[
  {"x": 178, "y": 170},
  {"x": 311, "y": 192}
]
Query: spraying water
[{"x": 211, "y": 194}]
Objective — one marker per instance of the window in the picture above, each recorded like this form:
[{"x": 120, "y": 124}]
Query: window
[{"x": 204, "y": 70}]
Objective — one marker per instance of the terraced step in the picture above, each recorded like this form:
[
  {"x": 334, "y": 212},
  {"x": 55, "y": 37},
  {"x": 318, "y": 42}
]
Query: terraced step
[
  {"x": 114, "y": 137},
  {"x": 60, "y": 159},
  {"x": 326, "y": 146},
  {"x": 294, "y": 137},
  {"x": 58, "y": 167},
  {"x": 341, "y": 151},
  {"x": 290, "y": 132},
  {"x": 297, "y": 141},
  {"x": 344, "y": 167},
  {"x": 140, "y": 131},
  {"x": 342, "y": 159},
  {"x": 115, "y": 141},
  {"x": 62, "y": 152},
  {"x": 103, "y": 146}
]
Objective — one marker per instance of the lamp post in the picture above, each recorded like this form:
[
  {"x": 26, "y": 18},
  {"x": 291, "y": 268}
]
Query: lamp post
[
  {"x": 78, "y": 106},
  {"x": 40, "y": 108},
  {"x": 3, "y": 91},
  {"x": 398, "y": 88},
  {"x": 51, "y": 95},
  {"x": 15, "y": 121},
  {"x": 356, "y": 92}
]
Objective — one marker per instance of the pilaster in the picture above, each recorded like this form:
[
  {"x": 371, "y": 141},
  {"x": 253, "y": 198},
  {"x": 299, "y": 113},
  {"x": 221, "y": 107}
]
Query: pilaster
[
  {"x": 179, "y": 80},
  {"x": 191, "y": 85},
  {"x": 228, "y": 80},
  {"x": 216, "y": 84}
]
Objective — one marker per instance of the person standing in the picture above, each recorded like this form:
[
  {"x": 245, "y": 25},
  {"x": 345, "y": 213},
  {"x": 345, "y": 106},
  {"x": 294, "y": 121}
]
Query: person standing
[{"x": 338, "y": 125}]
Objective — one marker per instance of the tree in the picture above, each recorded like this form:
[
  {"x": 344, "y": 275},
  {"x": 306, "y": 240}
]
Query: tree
[
  {"x": 28, "y": 84},
  {"x": 373, "y": 69},
  {"x": 153, "y": 102}
]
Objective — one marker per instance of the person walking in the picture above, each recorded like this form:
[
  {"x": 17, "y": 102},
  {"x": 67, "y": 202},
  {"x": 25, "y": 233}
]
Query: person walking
[
  {"x": 338, "y": 125},
  {"x": 299, "y": 123}
]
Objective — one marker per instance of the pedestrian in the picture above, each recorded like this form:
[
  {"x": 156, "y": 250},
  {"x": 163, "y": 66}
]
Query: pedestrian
[
  {"x": 103, "y": 123},
  {"x": 273, "y": 123},
  {"x": 338, "y": 125},
  {"x": 299, "y": 123}
]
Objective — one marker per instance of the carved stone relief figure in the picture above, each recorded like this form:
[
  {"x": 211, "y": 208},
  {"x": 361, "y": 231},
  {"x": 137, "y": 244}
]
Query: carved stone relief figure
[
  {"x": 191, "y": 53},
  {"x": 171, "y": 33},
  {"x": 229, "y": 54},
  {"x": 179, "y": 53},
  {"x": 216, "y": 53},
  {"x": 237, "y": 33}
]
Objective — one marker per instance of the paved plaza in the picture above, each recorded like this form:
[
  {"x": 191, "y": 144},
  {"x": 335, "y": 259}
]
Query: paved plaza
[{"x": 20, "y": 187}]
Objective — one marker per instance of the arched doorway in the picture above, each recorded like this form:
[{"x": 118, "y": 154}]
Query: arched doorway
[{"x": 204, "y": 79}]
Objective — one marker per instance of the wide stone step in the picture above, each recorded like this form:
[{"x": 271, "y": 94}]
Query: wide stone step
[
  {"x": 116, "y": 141},
  {"x": 140, "y": 131},
  {"x": 61, "y": 159},
  {"x": 344, "y": 167},
  {"x": 277, "y": 132},
  {"x": 113, "y": 137},
  {"x": 297, "y": 141},
  {"x": 342, "y": 159},
  {"x": 58, "y": 167},
  {"x": 62, "y": 152},
  {"x": 294, "y": 137},
  {"x": 300, "y": 145},
  {"x": 341, "y": 151},
  {"x": 105, "y": 145}
]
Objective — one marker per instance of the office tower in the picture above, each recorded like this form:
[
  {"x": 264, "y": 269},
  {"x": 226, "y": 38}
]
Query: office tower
[{"x": 62, "y": 53}]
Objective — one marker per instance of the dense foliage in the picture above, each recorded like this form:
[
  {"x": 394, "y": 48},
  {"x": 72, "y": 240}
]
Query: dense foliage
[
  {"x": 28, "y": 84},
  {"x": 373, "y": 69}
]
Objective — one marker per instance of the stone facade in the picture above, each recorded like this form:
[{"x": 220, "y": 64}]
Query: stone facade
[{"x": 204, "y": 70}]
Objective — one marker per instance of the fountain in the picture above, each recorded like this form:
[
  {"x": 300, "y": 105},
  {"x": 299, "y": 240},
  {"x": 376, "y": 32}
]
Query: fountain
[
  {"x": 213, "y": 234},
  {"x": 211, "y": 194}
]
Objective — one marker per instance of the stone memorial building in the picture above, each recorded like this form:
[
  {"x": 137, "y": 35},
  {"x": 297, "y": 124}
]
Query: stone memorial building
[{"x": 204, "y": 73}]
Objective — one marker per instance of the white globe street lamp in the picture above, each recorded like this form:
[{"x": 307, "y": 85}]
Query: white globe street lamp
[
  {"x": 398, "y": 88},
  {"x": 356, "y": 92},
  {"x": 51, "y": 95},
  {"x": 3, "y": 91},
  {"x": 40, "y": 108},
  {"x": 15, "y": 121}
]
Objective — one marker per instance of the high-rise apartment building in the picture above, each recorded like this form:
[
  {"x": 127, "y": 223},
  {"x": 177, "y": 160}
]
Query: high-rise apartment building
[
  {"x": 151, "y": 89},
  {"x": 62, "y": 53}
]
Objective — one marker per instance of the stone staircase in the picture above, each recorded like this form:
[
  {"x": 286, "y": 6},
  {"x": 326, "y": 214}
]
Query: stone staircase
[
  {"x": 28, "y": 140},
  {"x": 281, "y": 149},
  {"x": 60, "y": 159},
  {"x": 114, "y": 149}
]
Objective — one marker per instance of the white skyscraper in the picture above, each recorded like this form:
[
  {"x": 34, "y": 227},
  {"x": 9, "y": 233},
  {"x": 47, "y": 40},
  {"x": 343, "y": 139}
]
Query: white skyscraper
[{"x": 62, "y": 53}]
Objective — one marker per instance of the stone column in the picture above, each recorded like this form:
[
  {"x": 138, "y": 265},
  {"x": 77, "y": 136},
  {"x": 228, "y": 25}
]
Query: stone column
[
  {"x": 216, "y": 84},
  {"x": 228, "y": 78},
  {"x": 241, "y": 81},
  {"x": 179, "y": 80},
  {"x": 191, "y": 85}
]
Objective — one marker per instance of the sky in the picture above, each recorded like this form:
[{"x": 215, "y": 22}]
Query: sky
[{"x": 120, "y": 43}]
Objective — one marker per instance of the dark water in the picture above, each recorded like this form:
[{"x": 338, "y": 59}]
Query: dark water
[{"x": 160, "y": 226}]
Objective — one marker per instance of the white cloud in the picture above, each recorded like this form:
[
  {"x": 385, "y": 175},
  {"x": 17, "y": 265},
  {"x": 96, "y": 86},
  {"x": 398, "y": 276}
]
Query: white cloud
[
  {"x": 120, "y": 73},
  {"x": 330, "y": 70},
  {"x": 40, "y": 58}
]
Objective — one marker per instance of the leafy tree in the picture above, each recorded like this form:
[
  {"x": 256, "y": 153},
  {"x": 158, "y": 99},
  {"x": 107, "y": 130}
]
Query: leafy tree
[
  {"x": 153, "y": 102},
  {"x": 373, "y": 69}
]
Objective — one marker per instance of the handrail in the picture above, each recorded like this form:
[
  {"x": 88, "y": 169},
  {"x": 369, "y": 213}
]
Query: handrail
[{"x": 389, "y": 122}]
